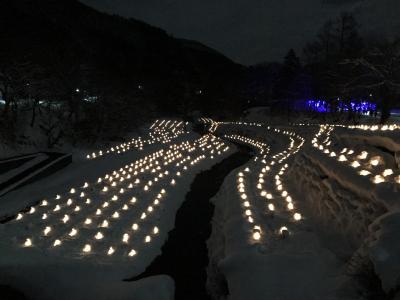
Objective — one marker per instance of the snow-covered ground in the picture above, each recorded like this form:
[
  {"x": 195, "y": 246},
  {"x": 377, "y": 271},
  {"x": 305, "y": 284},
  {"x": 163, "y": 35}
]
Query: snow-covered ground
[
  {"x": 13, "y": 172},
  {"x": 100, "y": 221},
  {"x": 297, "y": 221},
  {"x": 316, "y": 205}
]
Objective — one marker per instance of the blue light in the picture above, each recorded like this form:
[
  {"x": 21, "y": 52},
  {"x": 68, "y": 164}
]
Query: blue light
[{"x": 323, "y": 106}]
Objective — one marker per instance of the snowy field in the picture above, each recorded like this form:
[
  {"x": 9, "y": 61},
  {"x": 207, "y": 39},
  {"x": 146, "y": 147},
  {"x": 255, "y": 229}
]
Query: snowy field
[
  {"x": 100, "y": 230},
  {"x": 316, "y": 205}
]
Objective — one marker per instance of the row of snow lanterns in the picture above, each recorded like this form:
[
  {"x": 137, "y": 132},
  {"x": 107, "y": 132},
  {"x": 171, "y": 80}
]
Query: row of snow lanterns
[
  {"x": 261, "y": 146},
  {"x": 208, "y": 143},
  {"x": 159, "y": 132},
  {"x": 284, "y": 155},
  {"x": 390, "y": 127},
  {"x": 345, "y": 153},
  {"x": 212, "y": 125},
  {"x": 241, "y": 187}
]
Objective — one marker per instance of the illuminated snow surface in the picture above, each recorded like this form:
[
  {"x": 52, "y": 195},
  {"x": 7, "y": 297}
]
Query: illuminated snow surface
[
  {"x": 105, "y": 217},
  {"x": 108, "y": 225},
  {"x": 265, "y": 240}
]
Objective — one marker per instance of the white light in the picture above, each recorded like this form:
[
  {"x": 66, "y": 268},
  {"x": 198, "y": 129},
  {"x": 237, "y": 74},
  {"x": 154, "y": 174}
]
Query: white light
[
  {"x": 147, "y": 239},
  {"x": 297, "y": 216},
  {"x": 125, "y": 238},
  {"x": 135, "y": 226},
  {"x": 110, "y": 251},
  {"x": 155, "y": 230},
  {"x": 132, "y": 253},
  {"x": 47, "y": 230},
  {"x": 28, "y": 243},
  {"x": 282, "y": 229},
  {"x": 88, "y": 221},
  {"x": 374, "y": 161},
  {"x": 87, "y": 248},
  {"x": 387, "y": 172},
  {"x": 378, "y": 179},
  {"x": 364, "y": 172},
  {"x": 73, "y": 232},
  {"x": 19, "y": 217},
  {"x": 99, "y": 236},
  {"x": 56, "y": 243},
  {"x": 256, "y": 235}
]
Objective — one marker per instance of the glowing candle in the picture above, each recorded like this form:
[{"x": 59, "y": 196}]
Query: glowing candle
[
  {"x": 378, "y": 179},
  {"x": 374, "y": 161},
  {"x": 364, "y": 172},
  {"x": 297, "y": 216},
  {"x": 283, "y": 229},
  {"x": 47, "y": 230},
  {"x": 28, "y": 243},
  {"x": 65, "y": 219},
  {"x": 73, "y": 232},
  {"x": 125, "y": 238},
  {"x": 387, "y": 172},
  {"x": 99, "y": 236},
  {"x": 110, "y": 251},
  {"x": 87, "y": 248},
  {"x": 256, "y": 235}
]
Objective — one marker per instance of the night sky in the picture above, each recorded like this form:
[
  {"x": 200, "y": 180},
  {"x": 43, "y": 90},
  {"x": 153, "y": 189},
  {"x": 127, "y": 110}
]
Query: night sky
[{"x": 253, "y": 31}]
